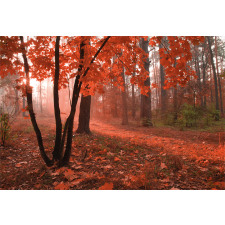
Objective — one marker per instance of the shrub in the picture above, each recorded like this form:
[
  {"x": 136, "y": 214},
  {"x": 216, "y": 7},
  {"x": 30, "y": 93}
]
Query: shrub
[
  {"x": 4, "y": 127},
  {"x": 146, "y": 122},
  {"x": 189, "y": 115}
]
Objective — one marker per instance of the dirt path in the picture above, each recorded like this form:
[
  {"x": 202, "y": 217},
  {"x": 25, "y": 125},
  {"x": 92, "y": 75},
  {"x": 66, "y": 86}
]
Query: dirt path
[{"x": 193, "y": 144}]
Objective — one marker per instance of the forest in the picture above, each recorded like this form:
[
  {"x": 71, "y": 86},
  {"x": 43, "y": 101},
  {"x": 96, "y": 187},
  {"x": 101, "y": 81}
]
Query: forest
[{"x": 112, "y": 112}]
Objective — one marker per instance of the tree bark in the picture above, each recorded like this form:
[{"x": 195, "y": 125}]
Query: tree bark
[
  {"x": 175, "y": 104},
  {"x": 58, "y": 134},
  {"x": 30, "y": 108},
  {"x": 146, "y": 115},
  {"x": 124, "y": 102},
  {"x": 84, "y": 116},
  {"x": 40, "y": 99},
  {"x": 204, "y": 65},
  {"x": 197, "y": 69},
  {"x": 133, "y": 103},
  {"x": 214, "y": 73},
  {"x": 163, "y": 91},
  {"x": 220, "y": 89}
]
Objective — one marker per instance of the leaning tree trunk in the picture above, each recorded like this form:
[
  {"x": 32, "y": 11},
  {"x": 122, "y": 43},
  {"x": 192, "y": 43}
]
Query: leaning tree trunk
[
  {"x": 84, "y": 116},
  {"x": 76, "y": 90},
  {"x": 214, "y": 73},
  {"x": 146, "y": 115},
  {"x": 30, "y": 107}
]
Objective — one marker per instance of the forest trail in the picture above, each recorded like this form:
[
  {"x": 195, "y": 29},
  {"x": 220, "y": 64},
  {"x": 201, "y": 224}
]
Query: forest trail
[
  {"x": 192, "y": 144},
  {"x": 118, "y": 157}
]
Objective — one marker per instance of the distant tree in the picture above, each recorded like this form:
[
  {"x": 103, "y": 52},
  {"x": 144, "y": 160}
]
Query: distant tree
[
  {"x": 146, "y": 114},
  {"x": 214, "y": 72},
  {"x": 163, "y": 91}
]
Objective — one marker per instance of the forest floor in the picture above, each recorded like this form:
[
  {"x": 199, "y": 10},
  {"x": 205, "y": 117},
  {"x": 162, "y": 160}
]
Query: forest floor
[{"x": 116, "y": 157}]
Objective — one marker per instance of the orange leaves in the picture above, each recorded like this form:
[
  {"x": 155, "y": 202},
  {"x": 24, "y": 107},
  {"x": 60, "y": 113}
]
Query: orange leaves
[
  {"x": 175, "y": 52},
  {"x": 106, "y": 186},
  {"x": 18, "y": 165},
  {"x": 116, "y": 159},
  {"x": 70, "y": 174},
  {"x": 154, "y": 85},
  {"x": 220, "y": 185},
  {"x": 61, "y": 186},
  {"x": 163, "y": 166},
  {"x": 124, "y": 50}
]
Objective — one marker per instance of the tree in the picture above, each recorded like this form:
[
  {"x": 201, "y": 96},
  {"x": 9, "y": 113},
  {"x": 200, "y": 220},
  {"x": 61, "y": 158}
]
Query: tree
[
  {"x": 214, "y": 72},
  {"x": 146, "y": 114},
  {"x": 124, "y": 102},
  {"x": 163, "y": 91},
  {"x": 217, "y": 71}
]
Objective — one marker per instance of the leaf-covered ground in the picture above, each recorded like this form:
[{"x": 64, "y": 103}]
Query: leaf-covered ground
[{"x": 116, "y": 157}]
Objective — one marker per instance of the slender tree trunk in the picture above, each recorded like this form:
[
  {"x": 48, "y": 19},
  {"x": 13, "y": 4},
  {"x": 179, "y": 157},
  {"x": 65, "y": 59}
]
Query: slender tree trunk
[
  {"x": 197, "y": 69},
  {"x": 203, "y": 81},
  {"x": 175, "y": 104},
  {"x": 214, "y": 73},
  {"x": 146, "y": 114},
  {"x": 30, "y": 108},
  {"x": 163, "y": 91},
  {"x": 124, "y": 102},
  {"x": 40, "y": 98},
  {"x": 58, "y": 135},
  {"x": 24, "y": 106},
  {"x": 220, "y": 89},
  {"x": 17, "y": 107},
  {"x": 133, "y": 103}
]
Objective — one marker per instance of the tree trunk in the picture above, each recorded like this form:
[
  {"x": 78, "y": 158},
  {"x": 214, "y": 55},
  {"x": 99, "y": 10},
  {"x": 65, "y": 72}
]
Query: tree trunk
[
  {"x": 146, "y": 115},
  {"x": 217, "y": 70},
  {"x": 203, "y": 80},
  {"x": 17, "y": 107},
  {"x": 84, "y": 116},
  {"x": 124, "y": 102},
  {"x": 58, "y": 135},
  {"x": 175, "y": 104},
  {"x": 30, "y": 108},
  {"x": 197, "y": 69},
  {"x": 163, "y": 91},
  {"x": 214, "y": 73},
  {"x": 133, "y": 102},
  {"x": 40, "y": 98}
]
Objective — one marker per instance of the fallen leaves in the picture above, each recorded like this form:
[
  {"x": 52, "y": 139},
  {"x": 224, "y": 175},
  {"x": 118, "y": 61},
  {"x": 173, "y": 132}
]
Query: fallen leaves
[
  {"x": 163, "y": 166},
  {"x": 75, "y": 182},
  {"x": 116, "y": 159},
  {"x": 70, "y": 174},
  {"x": 18, "y": 165},
  {"x": 61, "y": 186},
  {"x": 106, "y": 186},
  {"x": 174, "y": 188},
  {"x": 220, "y": 185}
]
